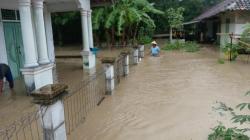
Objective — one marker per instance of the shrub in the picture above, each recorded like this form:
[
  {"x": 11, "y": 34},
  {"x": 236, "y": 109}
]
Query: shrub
[
  {"x": 221, "y": 61},
  {"x": 191, "y": 47},
  {"x": 231, "y": 50},
  {"x": 186, "y": 46},
  {"x": 220, "y": 132},
  {"x": 172, "y": 46},
  {"x": 144, "y": 40}
]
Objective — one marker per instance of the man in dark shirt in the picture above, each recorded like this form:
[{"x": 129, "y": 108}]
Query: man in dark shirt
[{"x": 5, "y": 72}]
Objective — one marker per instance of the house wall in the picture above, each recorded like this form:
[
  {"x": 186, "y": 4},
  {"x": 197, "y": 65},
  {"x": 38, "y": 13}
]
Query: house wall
[
  {"x": 238, "y": 19},
  {"x": 5, "y": 4},
  {"x": 3, "y": 53},
  {"x": 241, "y": 19},
  {"x": 223, "y": 17}
]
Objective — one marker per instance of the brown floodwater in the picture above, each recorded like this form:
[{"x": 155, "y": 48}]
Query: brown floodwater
[
  {"x": 169, "y": 97},
  {"x": 68, "y": 71}
]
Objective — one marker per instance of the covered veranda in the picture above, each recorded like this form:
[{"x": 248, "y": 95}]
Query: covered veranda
[
  {"x": 36, "y": 48},
  {"x": 26, "y": 38}
]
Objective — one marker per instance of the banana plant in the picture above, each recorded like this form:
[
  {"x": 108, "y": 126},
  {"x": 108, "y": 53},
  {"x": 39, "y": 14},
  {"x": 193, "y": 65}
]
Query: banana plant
[{"x": 123, "y": 19}]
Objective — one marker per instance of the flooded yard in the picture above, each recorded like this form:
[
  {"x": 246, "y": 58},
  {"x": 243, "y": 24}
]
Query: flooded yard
[
  {"x": 168, "y": 97},
  {"x": 68, "y": 71}
]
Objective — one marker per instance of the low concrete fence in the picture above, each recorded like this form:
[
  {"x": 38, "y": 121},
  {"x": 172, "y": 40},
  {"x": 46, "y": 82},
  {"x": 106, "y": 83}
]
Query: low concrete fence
[{"x": 60, "y": 111}]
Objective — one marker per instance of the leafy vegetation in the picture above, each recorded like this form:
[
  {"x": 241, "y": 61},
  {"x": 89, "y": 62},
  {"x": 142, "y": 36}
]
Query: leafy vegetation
[
  {"x": 144, "y": 35},
  {"x": 221, "y": 61},
  {"x": 191, "y": 47},
  {"x": 245, "y": 37},
  {"x": 175, "y": 19},
  {"x": 185, "y": 46},
  {"x": 125, "y": 18},
  {"x": 193, "y": 8},
  {"x": 220, "y": 132},
  {"x": 60, "y": 20},
  {"x": 122, "y": 21},
  {"x": 231, "y": 51}
]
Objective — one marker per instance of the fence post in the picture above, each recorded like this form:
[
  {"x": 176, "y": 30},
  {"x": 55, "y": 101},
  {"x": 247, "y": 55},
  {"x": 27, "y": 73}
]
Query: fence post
[
  {"x": 108, "y": 64},
  {"x": 126, "y": 62},
  {"x": 136, "y": 55},
  {"x": 49, "y": 98},
  {"x": 141, "y": 51}
]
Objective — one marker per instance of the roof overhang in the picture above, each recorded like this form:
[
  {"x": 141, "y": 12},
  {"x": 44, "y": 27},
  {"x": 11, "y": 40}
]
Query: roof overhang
[
  {"x": 224, "y": 6},
  {"x": 100, "y": 3},
  {"x": 191, "y": 22}
]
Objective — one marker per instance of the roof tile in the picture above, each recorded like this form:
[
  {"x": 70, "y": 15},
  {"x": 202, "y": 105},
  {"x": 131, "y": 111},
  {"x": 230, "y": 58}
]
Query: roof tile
[{"x": 226, "y": 5}]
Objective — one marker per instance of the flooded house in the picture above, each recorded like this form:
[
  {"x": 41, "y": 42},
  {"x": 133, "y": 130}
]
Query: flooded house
[
  {"x": 229, "y": 16},
  {"x": 26, "y": 37}
]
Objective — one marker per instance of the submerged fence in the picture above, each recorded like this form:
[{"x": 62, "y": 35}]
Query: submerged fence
[
  {"x": 83, "y": 96},
  {"x": 28, "y": 127},
  {"x": 82, "y": 99}
]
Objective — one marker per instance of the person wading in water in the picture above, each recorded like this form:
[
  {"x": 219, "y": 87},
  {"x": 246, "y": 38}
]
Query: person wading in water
[
  {"x": 5, "y": 72},
  {"x": 155, "y": 50}
]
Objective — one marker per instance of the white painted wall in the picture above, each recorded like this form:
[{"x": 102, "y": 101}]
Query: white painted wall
[
  {"x": 3, "y": 53},
  {"x": 224, "y": 17},
  {"x": 238, "y": 20},
  {"x": 62, "y": 7},
  {"x": 9, "y": 4},
  {"x": 241, "y": 19}
]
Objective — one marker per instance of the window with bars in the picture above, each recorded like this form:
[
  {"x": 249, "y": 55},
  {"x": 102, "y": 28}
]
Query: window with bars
[{"x": 10, "y": 14}]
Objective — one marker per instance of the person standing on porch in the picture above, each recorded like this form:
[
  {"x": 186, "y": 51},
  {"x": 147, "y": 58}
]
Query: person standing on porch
[{"x": 5, "y": 72}]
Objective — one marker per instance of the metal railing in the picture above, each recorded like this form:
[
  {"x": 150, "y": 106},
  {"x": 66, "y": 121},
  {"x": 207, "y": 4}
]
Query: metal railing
[
  {"x": 28, "y": 127},
  {"x": 82, "y": 99}
]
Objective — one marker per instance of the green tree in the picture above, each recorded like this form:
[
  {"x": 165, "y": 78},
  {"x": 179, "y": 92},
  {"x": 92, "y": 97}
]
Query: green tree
[
  {"x": 124, "y": 19},
  {"x": 193, "y": 8},
  {"x": 175, "y": 19},
  {"x": 60, "y": 20}
]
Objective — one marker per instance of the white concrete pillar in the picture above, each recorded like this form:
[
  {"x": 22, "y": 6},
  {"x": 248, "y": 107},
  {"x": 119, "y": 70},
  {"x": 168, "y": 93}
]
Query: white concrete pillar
[
  {"x": 49, "y": 98},
  {"x": 85, "y": 34},
  {"x": 91, "y": 43},
  {"x": 49, "y": 35},
  {"x": 89, "y": 60},
  {"x": 108, "y": 65},
  {"x": 27, "y": 34},
  {"x": 141, "y": 51},
  {"x": 53, "y": 121},
  {"x": 136, "y": 55},
  {"x": 126, "y": 64},
  {"x": 40, "y": 32},
  {"x": 110, "y": 81}
]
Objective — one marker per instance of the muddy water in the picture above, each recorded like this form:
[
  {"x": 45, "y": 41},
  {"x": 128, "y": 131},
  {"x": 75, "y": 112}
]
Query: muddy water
[
  {"x": 168, "y": 97},
  {"x": 68, "y": 71}
]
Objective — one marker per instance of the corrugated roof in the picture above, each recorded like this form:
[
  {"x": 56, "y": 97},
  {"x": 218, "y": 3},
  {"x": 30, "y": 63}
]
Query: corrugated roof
[{"x": 224, "y": 6}]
